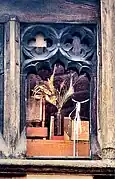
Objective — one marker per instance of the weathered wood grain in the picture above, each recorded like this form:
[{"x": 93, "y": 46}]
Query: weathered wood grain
[
  {"x": 6, "y": 87},
  {"x": 94, "y": 167},
  {"x": 12, "y": 88},
  {"x": 50, "y": 10},
  {"x": 107, "y": 106}
]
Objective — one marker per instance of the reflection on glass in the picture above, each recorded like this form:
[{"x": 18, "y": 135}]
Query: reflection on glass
[{"x": 58, "y": 111}]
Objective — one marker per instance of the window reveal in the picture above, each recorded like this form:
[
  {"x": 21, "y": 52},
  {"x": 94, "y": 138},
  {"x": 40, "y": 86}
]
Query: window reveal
[
  {"x": 1, "y": 78},
  {"x": 58, "y": 62}
]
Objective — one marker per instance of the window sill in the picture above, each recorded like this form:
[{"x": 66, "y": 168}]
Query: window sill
[{"x": 24, "y": 166}]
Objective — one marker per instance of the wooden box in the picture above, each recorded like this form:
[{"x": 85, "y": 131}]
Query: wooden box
[
  {"x": 57, "y": 148},
  {"x": 57, "y": 137},
  {"x": 40, "y": 132},
  {"x": 83, "y": 134},
  {"x": 83, "y": 130}
]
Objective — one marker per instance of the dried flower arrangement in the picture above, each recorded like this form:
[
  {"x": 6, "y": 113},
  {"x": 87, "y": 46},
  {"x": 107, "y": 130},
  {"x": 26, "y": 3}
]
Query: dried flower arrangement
[{"x": 56, "y": 97}]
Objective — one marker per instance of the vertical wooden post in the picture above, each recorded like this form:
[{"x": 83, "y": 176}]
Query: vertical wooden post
[
  {"x": 14, "y": 84},
  {"x": 12, "y": 87},
  {"x": 6, "y": 86},
  {"x": 107, "y": 106},
  {"x": 43, "y": 118}
]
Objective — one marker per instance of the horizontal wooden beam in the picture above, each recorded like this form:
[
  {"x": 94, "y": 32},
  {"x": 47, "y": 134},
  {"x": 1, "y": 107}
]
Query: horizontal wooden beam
[
  {"x": 51, "y": 11},
  {"x": 94, "y": 167}
]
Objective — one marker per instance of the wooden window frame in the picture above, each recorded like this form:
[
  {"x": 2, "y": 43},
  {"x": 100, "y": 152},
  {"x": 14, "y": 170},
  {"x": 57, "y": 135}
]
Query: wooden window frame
[{"x": 16, "y": 142}]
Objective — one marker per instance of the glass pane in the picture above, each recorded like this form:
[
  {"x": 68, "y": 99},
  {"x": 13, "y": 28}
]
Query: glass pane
[
  {"x": 58, "y": 106},
  {"x": 59, "y": 64}
]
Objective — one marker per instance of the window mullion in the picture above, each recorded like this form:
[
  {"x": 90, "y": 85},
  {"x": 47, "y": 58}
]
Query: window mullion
[
  {"x": 12, "y": 89},
  {"x": 107, "y": 106}
]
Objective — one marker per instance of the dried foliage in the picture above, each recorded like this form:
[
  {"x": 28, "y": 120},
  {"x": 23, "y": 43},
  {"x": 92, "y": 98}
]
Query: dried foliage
[{"x": 57, "y": 97}]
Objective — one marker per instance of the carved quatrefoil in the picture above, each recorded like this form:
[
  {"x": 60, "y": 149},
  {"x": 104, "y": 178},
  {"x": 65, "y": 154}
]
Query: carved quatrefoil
[{"x": 73, "y": 45}]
